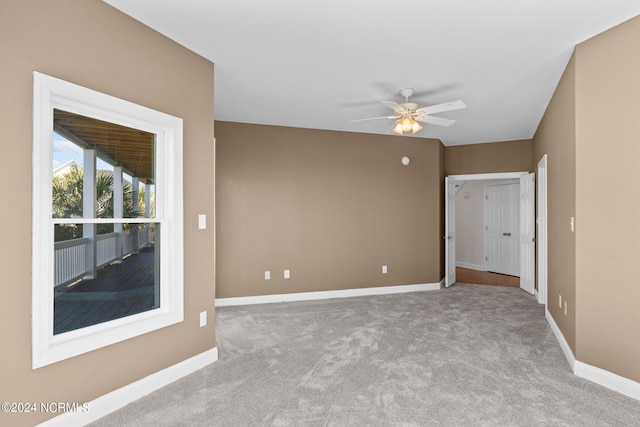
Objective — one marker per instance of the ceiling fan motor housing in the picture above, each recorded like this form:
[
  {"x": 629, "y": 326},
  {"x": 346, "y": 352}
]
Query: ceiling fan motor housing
[
  {"x": 407, "y": 92},
  {"x": 409, "y": 106}
]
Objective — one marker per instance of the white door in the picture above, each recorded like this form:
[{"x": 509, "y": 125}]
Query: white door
[
  {"x": 528, "y": 233},
  {"x": 449, "y": 231},
  {"x": 502, "y": 207}
]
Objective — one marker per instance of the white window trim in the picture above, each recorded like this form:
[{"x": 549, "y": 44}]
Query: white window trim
[{"x": 50, "y": 93}]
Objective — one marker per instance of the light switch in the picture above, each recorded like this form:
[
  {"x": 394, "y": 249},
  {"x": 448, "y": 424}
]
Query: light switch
[
  {"x": 203, "y": 318},
  {"x": 202, "y": 221}
]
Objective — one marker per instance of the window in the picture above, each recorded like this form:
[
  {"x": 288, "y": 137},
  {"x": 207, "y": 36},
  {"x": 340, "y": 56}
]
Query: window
[{"x": 107, "y": 220}]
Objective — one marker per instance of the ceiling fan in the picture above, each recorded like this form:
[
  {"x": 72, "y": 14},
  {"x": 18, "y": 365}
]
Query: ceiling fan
[{"x": 408, "y": 114}]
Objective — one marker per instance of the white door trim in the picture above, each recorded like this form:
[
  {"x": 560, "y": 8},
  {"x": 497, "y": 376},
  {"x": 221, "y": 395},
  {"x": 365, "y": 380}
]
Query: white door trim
[
  {"x": 542, "y": 230},
  {"x": 478, "y": 176}
]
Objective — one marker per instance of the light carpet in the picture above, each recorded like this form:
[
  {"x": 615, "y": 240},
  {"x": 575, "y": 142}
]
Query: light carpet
[{"x": 464, "y": 356}]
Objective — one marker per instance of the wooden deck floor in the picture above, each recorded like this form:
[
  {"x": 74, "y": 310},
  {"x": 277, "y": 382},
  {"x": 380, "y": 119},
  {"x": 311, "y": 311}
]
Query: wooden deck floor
[{"x": 119, "y": 290}]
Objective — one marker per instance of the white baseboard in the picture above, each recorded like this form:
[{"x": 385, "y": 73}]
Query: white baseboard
[
  {"x": 116, "y": 399},
  {"x": 564, "y": 345},
  {"x": 608, "y": 379},
  {"x": 471, "y": 266},
  {"x": 345, "y": 293},
  {"x": 537, "y": 295},
  {"x": 592, "y": 373}
]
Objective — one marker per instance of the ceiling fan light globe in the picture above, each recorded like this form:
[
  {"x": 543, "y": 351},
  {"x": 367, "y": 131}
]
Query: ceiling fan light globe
[
  {"x": 407, "y": 124},
  {"x": 415, "y": 127},
  {"x": 398, "y": 128}
]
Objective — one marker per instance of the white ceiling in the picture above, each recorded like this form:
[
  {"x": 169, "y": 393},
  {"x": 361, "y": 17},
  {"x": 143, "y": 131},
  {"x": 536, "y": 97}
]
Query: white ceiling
[{"x": 319, "y": 64}]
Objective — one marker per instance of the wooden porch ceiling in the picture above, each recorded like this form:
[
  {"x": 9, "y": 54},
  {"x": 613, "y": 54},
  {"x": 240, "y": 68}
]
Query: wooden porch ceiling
[{"x": 130, "y": 148}]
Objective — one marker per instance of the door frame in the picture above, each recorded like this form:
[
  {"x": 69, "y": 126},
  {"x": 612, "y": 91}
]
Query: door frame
[{"x": 476, "y": 177}]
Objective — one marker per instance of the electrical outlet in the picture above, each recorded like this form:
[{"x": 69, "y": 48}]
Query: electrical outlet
[
  {"x": 560, "y": 301},
  {"x": 203, "y": 318},
  {"x": 287, "y": 274},
  {"x": 384, "y": 269},
  {"x": 267, "y": 275}
]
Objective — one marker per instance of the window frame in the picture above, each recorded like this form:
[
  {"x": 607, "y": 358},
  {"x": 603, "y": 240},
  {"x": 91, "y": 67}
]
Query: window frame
[{"x": 49, "y": 93}]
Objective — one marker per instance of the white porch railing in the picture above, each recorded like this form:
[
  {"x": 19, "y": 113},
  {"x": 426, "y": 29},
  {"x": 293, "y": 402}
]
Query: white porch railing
[
  {"x": 106, "y": 245},
  {"x": 69, "y": 255},
  {"x": 69, "y": 260}
]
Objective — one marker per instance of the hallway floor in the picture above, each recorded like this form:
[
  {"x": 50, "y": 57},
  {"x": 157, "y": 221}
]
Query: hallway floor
[{"x": 476, "y": 277}]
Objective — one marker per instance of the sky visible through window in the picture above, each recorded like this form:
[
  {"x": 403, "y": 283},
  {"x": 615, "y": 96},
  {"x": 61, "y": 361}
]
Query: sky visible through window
[{"x": 65, "y": 151}]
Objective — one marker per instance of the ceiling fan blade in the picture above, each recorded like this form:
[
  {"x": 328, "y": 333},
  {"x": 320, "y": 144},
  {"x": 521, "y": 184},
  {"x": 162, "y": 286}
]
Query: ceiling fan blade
[
  {"x": 373, "y": 118},
  {"x": 395, "y": 107},
  {"x": 447, "y": 106},
  {"x": 440, "y": 121}
]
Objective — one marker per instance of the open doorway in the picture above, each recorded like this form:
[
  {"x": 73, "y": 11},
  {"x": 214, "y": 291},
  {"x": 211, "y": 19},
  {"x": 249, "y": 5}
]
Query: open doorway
[
  {"x": 522, "y": 241},
  {"x": 488, "y": 232}
]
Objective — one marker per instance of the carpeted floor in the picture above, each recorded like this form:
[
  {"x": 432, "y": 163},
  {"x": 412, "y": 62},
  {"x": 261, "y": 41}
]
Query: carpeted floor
[{"x": 463, "y": 356}]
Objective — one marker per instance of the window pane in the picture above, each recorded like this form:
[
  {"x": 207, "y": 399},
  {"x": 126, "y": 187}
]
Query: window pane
[
  {"x": 122, "y": 162},
  {"x": 125, "y": 281}
]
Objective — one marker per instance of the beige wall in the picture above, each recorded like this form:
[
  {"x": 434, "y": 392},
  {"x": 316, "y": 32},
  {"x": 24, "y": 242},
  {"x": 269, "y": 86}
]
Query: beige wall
[
  {"x": 607, "y": 208},
  {"x": 590, "y": 133},
  {"x": 506, "y": 156},
  {"x": 556, "y": 137},
  {"x": 332, "y": 207},
  {"x": 89, "y": 43}
]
